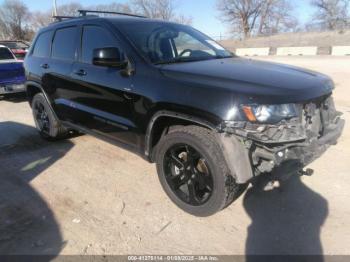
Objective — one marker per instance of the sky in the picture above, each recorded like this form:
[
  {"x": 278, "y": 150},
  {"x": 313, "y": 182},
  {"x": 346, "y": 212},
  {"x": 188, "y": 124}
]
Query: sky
[{"x": 204, "y": 14}]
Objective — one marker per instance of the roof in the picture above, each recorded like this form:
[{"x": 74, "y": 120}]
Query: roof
[
  {"x": 112, "y": 19},
  {"x": 135, "y": 19}
]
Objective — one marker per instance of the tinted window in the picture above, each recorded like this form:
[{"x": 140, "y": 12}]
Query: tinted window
[
  {"x": 64, "y": 43},
  {"x": 5, "y": 54},
  {"x": 42, "y": 45},
  {"x": 95, "y": 37},
  {"x": 171, "y": 43}
]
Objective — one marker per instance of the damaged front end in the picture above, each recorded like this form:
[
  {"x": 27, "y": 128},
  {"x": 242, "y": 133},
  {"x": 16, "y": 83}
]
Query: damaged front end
[{"x": 252, "y": 149}]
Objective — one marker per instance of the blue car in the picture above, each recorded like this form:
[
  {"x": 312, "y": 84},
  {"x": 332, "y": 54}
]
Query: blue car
[{"x": 12, "y": 75}]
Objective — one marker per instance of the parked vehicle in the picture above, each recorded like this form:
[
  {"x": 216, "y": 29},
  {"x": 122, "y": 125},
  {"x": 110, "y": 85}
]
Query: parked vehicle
[
  {"x": 18, "y": 48},
  {"x": 12, "y": 76},
  {"x": 211, "y": 121}
]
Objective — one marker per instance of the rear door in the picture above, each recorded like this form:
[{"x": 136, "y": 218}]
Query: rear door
[
  {"x": 100, "y": 94},
  {"x": 37, "y": 62},
  {"x": 58, "y": 80}
]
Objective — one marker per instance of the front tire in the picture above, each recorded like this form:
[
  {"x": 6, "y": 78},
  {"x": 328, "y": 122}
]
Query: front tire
[
  {"x": 46, "y": 122},
  {"x": 193, "y": 172}
]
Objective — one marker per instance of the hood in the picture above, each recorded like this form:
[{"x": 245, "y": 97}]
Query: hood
[
  {"x": 258, "y": 81},
  {"x": 11, "y": 71}
]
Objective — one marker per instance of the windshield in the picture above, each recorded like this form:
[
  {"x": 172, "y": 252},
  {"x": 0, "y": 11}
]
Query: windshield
[
  {"x": 164, "y": 43},
  {"x": 5, "y": 54}
]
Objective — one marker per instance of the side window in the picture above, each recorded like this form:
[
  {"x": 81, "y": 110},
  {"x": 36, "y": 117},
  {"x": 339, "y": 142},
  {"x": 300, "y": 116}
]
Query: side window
[
  {"x": 42, "y": 45},
  {"x": 64, "y": 43},
  {"x": 95, "y": 37}
]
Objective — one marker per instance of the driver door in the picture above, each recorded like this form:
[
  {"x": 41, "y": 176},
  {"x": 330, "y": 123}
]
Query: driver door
[{"x": 101, "y": 101}]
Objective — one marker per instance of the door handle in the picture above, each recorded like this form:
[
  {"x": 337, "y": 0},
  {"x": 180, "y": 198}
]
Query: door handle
[
  {"x": 45, "y": 66},
  {"x": 127, "y": 96},
  {"x": 80, "y": 72},
  {"x": 128, "y": 90}
]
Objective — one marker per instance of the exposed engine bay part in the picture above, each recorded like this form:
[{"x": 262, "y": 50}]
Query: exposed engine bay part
[
  {"x": 262, "y": 150},
  {"x": 315, "y": 118},
  {"x": 286, "y": 131}
]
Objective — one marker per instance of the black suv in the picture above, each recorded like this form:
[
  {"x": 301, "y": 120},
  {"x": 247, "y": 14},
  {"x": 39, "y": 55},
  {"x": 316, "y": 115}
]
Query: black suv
[{"x": 211, "y": 121}]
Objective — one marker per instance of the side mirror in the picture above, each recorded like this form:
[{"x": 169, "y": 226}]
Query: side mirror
[{"x": 109, "y": 57}]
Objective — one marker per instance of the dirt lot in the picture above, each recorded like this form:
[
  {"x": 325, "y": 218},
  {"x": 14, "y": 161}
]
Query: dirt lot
[{"x": 84, "y": 196}]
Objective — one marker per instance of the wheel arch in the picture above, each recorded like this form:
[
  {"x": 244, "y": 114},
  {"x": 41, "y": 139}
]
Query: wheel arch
[
  {"x": 33, "y": 88},
  {"x": 162, "y": 120}
]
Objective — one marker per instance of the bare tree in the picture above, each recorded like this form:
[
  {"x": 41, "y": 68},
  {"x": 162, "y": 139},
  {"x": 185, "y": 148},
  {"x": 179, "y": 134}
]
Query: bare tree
[
  {"x": 276, "y": 17},
  {"x": 265, "y": 14},
  {"x": 160, "y": 9},
  {"x": 17, "y": 22},
  {"x": 182, "y": 19},
  {"x": 40, "y": 19},
  {"x": 14, "y": 16},
  {"x": 4, "y": 29},
  {"x": 257, "y": 17},
  {"x": 242, "y": 15},
  {"x": 113, "y": 7},
  {"x": 69, "y": 9},
  {"x": 332, "y": 14}
]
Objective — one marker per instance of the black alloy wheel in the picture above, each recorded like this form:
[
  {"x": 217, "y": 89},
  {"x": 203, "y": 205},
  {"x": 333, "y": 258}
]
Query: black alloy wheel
[
  {"x": 188, "y": 175},
  {"x": 193, "y": 172},
  {"x": 41, "y": 117},
  {"x": 45, "y": 120}
]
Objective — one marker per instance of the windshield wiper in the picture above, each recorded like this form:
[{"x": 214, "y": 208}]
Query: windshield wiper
[
  {"x": 191, "y": 59},
  {"x": 223, "y": 56},
  {"x": 183, "y": 60}
]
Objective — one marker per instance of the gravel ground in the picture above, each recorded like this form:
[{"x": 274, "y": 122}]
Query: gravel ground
[{"x": 84, "y": 196}]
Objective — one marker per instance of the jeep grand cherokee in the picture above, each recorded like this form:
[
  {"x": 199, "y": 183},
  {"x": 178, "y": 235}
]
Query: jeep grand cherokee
[{"x": 211, "y": 121}]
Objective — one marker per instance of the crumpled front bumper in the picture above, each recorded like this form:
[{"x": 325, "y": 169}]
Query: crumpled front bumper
[
  {"x": 319, "y": 146},
  {"x": 286, "y": 149},
  {"x": 288, "y": 159}
]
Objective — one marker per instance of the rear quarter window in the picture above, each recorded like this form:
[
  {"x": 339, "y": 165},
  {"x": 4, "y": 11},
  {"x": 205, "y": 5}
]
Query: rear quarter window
[
  {"x": 42, "y": 45},
  {"x": 64, "y": 43}
]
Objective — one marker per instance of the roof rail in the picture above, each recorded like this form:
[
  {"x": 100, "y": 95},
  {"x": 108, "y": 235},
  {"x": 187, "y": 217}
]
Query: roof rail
[
  {"x": 85, "y": 12},
  {"x": 60, "y": 18}
]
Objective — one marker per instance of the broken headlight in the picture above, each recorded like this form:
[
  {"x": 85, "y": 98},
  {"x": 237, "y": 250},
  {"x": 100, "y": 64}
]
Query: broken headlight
[{"x": 269, "y": 114}]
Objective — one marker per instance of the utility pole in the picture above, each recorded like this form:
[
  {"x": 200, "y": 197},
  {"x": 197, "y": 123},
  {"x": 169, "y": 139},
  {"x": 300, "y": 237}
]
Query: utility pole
[{"x": 54, "y": 10}]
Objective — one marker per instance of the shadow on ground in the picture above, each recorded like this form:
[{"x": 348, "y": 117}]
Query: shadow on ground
[
  {"x": 15, "y": 98},
  {"x": 27, "y": 225},
  {"x": 286, "y": 221}
]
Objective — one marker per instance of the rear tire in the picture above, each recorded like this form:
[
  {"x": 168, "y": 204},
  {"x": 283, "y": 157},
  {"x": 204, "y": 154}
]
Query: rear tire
[
  {"x": 180, "y": 156},
  {"x": 45, "y": 120}
]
